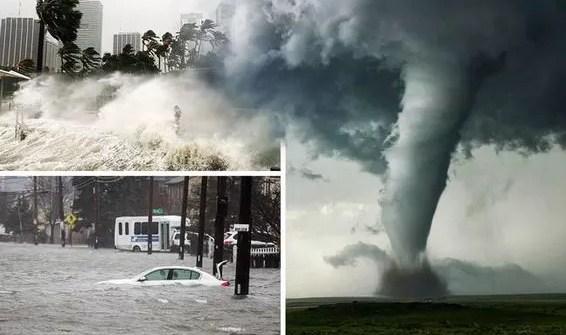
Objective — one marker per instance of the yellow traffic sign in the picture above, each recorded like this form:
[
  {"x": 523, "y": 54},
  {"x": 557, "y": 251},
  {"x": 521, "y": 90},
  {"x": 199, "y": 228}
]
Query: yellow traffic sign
[{"x": 70, "y": 219}]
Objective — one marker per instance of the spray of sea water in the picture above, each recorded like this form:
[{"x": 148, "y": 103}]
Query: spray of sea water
[{"x": 124, "y": 122}]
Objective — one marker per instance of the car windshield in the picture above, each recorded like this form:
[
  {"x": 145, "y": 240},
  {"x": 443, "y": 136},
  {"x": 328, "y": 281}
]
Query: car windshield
[{"x": 157, "y": 275}]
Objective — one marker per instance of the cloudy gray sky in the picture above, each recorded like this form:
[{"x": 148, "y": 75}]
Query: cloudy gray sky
[
  {"x": 128, "y": 15},
  {"x": 497, "y": 209}
]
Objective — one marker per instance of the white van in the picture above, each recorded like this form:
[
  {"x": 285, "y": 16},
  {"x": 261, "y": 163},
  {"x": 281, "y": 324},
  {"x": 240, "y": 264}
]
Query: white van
[{"x": 130, "y": 232}]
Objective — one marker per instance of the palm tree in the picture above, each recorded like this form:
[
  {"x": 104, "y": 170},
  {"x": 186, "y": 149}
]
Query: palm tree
[
  {"x": 148, "y": 39},
  {"x": 186, "y": 48},
  {"x": 90, "y": 60},
  {"x": 61, "y": 20},
  {"x": 167, "y": 40},
  {"x": 25, "y": 66},
  {"x": 70, "y": 55},
  {"x": 129, "y": 62}
]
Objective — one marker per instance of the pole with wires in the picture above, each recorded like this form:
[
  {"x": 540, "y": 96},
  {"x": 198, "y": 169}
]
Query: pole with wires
[
  {"x": 96, "y": 190},
  {"x": 244, "y": 238},
  {"x": 221, "y": 212},
  {"x": 183, "y": 218},
  {"x": 61, "y": 210},
  {"x": 35, "y": 210},
  {"x": 20, "y": 218},
  {"x": 150, "y": 217},
  {"x": 201, "y": 220}
]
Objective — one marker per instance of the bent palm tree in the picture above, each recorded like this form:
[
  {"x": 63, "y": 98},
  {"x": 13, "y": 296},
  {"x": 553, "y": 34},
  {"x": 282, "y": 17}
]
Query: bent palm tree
[
  {"x": 25, "y": 66},
  {"x": 90, "y": 60},
  {"x": 70, "y": 55},
  {"x": 186, "y": 48},
  {"x": 61, "y": 20}
]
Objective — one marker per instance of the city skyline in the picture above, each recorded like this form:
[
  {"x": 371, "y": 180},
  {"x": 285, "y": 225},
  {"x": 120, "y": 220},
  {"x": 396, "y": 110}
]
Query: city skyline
[
  {"x": 124, "y": 38},
  {"x": 191, "y": 18},
  {"x": 90, "y": 32},
  {"x": 19, "y": 40},
  {"x": 128, "y": 15}
]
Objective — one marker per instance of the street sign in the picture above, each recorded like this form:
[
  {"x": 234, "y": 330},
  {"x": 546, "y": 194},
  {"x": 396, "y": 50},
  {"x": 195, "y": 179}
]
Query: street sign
[
  {"x": 158, "y": 211},
  {"x": 71, "y": 219},
  {"x": 241, "y": 227}
]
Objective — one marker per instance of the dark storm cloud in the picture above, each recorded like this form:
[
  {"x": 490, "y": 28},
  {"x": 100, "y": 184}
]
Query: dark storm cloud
[
  {"x": 311, "y": 175},
  {"x": 307, "y": 173},
  {"x": 397, "y": 85},
  {"x": 350, "y": 254},
  {"x": 337, "y": 67},
  {"x": 469, "y": 278},
  {"x": 440, "y": 277}
]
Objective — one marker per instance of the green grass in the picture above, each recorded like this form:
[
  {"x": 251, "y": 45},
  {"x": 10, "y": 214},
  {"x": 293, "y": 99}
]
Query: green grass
[{"x": 458, "y": 315}]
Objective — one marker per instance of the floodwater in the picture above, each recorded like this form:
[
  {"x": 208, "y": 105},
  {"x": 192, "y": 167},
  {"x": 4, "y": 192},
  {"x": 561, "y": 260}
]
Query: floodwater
[{"x": 47, "y": 289}]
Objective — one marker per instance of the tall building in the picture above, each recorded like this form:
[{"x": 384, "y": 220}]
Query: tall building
[
  {"x": 191, "y": 18},
  {"x": 224, "y": 14},
  {"x": 19, "y": 37},
  {"x": 51, "y": 58},
  {"x": 90, "y": 32},
  {"x": 122, "y": 39}
]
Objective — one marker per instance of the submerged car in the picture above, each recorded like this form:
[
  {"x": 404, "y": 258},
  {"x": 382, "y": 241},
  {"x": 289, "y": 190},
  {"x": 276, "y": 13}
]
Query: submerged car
[{"x": 171, "y": 275}]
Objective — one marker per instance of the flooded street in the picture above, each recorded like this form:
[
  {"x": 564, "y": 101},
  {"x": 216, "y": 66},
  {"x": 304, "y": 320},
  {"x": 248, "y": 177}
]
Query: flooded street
[{"x": 47, "y": 289}]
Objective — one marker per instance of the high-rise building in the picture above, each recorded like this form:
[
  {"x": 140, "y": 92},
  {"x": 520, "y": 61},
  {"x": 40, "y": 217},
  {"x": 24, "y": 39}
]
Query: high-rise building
[
  {"x": 51, "y": 58},
  {"x": 191, "y": 18},
  {"x": 19, "y": 37},
  {"x": 90, "y": 32},
  {"x": 122, "y": 39},
  {"x": 224, "y": 14}
]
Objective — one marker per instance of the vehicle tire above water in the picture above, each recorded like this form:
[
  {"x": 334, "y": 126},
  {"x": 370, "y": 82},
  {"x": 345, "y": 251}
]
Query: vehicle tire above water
[{"x": 136, "y": 248}]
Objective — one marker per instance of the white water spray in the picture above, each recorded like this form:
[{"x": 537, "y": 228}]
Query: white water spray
[{"x": 123, "y": 122}]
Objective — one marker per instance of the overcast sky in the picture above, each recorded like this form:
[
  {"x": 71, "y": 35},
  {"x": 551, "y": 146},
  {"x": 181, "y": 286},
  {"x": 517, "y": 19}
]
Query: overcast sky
[
  {"x": 497, "y": 209},
  {"x": 129, "y": 15}
]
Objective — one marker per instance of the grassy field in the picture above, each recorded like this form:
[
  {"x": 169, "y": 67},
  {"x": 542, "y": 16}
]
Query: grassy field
[{"x": 518, "y": 314}]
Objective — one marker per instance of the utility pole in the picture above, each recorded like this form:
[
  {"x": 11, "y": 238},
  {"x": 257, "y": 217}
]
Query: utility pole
[
  {"x": 150, "y": 217},
  {"x": 201, "y": 220},
  {"x": 61, "y": 209},
  {"x": 183, "y": 218},
  {"x": 39, "y": 65},
  {"x": 35, "y": 210},
  {"x": 243, "y": 256},
  {"x": 221, "y": 211},
  {"x": 52, "y": 216},
  {"x": 20, "y": 218},
  {"x": 96, "y": 190}
]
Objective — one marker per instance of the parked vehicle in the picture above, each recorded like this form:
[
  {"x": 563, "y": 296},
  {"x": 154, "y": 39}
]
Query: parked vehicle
[
  {"x": 231, "y": 239},
  {"x": 189, "y": 236},
  {"x": 131, "y": 232}
]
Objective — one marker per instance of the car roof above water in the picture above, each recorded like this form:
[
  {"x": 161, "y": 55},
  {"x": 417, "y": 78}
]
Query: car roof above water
[{"x": 174, "y": 267}]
